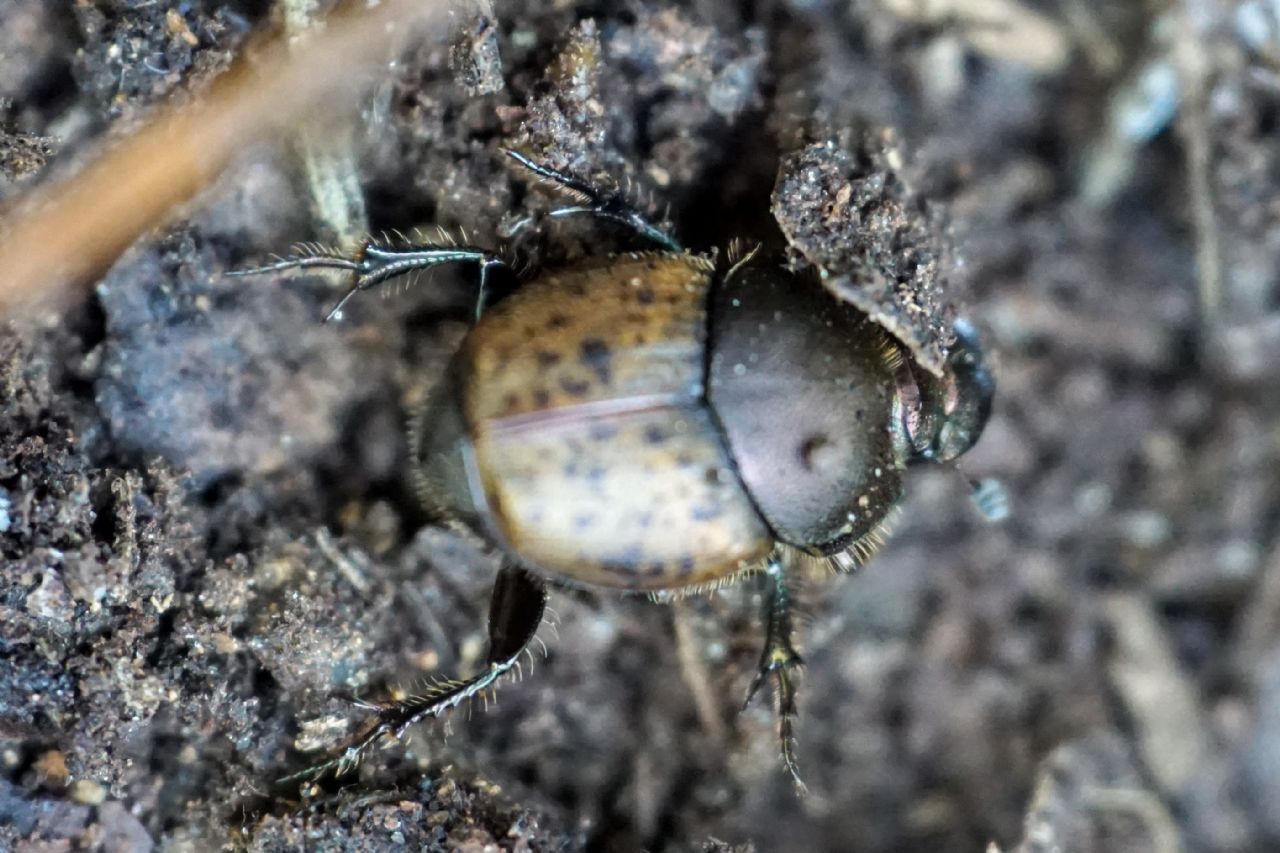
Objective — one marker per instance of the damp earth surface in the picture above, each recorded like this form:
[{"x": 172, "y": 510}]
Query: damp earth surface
[{"x": 209, "y": 547}]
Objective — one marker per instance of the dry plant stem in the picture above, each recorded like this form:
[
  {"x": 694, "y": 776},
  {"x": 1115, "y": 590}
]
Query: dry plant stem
[
  {"x": 1147, "y": 808},
  {"x": 1260, "y": 627},
  {"x": 1005, "y": 30},
  {"x": 66, "y": 234},
  {"x": 328, "y": 154},
  {"x": 1145, "y": 673},
  {"x": 1098, "y": 44},
  {"x": 693, "y": 670},
  {"x": 1193, "y": 127}
]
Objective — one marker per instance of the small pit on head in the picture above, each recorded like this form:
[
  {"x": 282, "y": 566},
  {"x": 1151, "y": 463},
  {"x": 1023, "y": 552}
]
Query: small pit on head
[{"x": 814, "y": 450}]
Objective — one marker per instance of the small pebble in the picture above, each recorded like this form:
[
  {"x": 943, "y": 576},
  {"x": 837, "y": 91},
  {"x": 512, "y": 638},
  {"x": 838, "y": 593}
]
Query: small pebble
[{"x": 88, "y": 792}]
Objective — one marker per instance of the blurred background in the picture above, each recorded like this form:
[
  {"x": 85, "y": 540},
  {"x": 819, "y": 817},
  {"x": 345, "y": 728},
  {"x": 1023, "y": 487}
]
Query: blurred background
[{"x": 209, "y": 544}]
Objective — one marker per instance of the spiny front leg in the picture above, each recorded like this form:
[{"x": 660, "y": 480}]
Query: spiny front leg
[
  {"x": 596, "y": 202},
  {"x": 778, "y": 661},
  {"x": 374, "y": 264},
  {"x": 515, "y": 611}
]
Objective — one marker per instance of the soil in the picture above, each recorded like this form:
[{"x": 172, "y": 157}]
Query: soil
[{"x": 210, "y": 545}]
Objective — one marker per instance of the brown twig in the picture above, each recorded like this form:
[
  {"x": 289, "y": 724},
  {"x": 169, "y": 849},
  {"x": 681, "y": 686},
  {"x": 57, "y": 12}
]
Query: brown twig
[{"x": 68, "y": 233}]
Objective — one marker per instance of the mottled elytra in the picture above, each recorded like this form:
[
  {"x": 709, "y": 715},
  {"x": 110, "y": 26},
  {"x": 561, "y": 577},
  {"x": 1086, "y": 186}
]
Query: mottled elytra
[{"x": 662, "y": 422}]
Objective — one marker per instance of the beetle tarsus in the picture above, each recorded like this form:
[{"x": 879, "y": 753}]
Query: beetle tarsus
[
  {"x": 777, "y": 662},
  {"x": 515, "y": 612},
  {"x": 593, "y": 201}
]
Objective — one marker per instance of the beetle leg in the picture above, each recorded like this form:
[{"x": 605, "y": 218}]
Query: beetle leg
[
  {"x": 374, "y": 264},
  {"x": 777, "y": 661},
  {"x": 596, "y": 202},
  {"x": 515, "y": 611}
]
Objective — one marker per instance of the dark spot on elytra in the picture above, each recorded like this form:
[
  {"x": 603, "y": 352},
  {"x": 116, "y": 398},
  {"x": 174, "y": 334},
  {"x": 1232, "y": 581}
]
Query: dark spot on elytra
[
  {"x": 602, "y": 432},
  {"x": 596, "y": 474},
  {"x": 706, "y": 512},
  {"x": 711, "y": 476},
  {"x": 656, "y": 569},
  {"x": 547, "y": 358},
  {"x": 645, "y": 295},
  {"x": 570, "y": 470},
  {"x": 510, "y": 403},
  {"x": 541, "y": 398},
  {"x": 575, "y": 387},
  {"x": 654, "y": 435},
  {"x": 686, "y": 564},
  {"x": 644, "y": 520},
  {"x": 557, "y": 321},
  {"x": 626, "y": 563},
  {"x": 857, "y": 415},
  {"x": 596, "y": 357},
  {"x": 583, "y": 521},
  {"x": 684, "y": 460}
]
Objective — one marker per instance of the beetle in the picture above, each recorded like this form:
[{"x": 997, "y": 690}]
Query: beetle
[{"x": 661, "y": 422}]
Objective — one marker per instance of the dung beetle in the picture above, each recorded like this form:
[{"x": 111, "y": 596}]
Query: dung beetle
[{"x": 661, "y": 422}]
